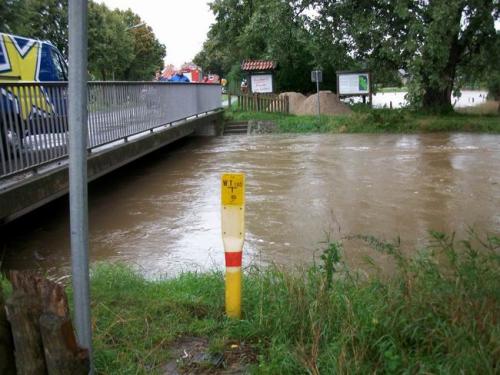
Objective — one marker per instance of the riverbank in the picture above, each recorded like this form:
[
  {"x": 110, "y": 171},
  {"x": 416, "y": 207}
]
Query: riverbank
[
  {"x": 438, "y": 314},
  {"x": 364, "y": 120}
]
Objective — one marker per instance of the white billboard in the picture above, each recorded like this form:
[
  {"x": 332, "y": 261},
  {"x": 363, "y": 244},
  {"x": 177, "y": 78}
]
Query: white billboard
[
  {"x": 353, "y": 83},
  {"x": 262, "y": 83}
]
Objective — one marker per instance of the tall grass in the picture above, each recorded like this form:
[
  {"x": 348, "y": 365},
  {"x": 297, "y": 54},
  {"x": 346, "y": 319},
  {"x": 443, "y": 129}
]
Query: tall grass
[
  {"x": 364, "y": 120},
  {"x": 437, "y": 313}
]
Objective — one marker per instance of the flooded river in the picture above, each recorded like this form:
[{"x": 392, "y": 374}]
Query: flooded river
[{"x": 162, "y": 213}]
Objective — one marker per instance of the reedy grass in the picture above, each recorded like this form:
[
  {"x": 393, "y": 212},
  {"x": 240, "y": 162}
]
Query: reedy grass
[
  {"x": 437, "y": 312},
  {"x": 365, "y": 120}
]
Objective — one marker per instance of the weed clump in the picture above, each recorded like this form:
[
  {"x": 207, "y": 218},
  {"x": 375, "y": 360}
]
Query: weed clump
[{"x": 437, "y": 313}]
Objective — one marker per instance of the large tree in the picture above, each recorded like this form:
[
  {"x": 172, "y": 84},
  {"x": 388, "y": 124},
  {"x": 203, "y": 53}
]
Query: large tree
[
  {"x": 258, "y": 29},
  {"x": 42, "y": 19},
  {"x": 116, "y": 49},
  {"x": 148, "y": 52},
  {"x": 435, "y": 41}
]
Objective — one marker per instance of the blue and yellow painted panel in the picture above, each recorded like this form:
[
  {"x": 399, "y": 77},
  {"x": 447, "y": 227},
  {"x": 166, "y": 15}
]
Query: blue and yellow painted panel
[{"x": 24, "y": 59}]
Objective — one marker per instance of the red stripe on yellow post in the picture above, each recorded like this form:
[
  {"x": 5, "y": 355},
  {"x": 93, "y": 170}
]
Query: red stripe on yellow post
[{"x": 233, "y": 259}]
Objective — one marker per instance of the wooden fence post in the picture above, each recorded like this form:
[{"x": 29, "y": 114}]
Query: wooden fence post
[
  {"x": 287, "y": 105},
  {"x": 7, "y": 361}
]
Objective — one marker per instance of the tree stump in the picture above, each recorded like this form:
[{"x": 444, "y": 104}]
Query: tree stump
[
  {"x": 7, "y": 361},
  {"x": 23, "y": 312},
  {"x": 44, "y": 339},
  {"x": 62, "y": 353}
]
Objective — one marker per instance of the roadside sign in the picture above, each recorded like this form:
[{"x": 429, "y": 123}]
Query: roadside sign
[{"x": 317, "y": 76}]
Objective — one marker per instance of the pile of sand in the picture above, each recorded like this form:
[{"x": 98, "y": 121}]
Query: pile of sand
[
  {"x": 295, "y": 101},
  {"x": 302, "y": 105}
]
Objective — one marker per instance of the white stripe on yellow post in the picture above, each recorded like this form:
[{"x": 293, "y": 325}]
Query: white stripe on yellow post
[{"x": 233, "y": 236}]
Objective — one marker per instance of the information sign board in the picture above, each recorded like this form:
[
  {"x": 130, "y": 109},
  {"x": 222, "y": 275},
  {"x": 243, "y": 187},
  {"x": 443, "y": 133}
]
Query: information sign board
[
  {"x": 353, "y": 83},
  {"x": 262, "y": 83}
]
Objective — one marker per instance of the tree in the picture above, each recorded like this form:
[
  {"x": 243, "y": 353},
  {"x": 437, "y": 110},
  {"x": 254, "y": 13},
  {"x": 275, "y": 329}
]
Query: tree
[
  {"x": 115, "y": 50},
  {"x": 148, "y": 51},
  {"x": 110, "y": 45},
  {"x": 41, "y": 19},
  {"x": 258, "y": 29},
  {"x": 433, "y": 40},
  {"x": 11, "y": 13}
]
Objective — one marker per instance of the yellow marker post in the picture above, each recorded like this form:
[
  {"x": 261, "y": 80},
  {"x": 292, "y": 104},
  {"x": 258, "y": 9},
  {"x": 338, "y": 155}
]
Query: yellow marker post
[{"x": 233, "y": 235}]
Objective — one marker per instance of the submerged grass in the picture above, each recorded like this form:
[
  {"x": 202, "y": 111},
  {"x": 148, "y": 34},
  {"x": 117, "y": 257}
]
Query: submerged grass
[
  {"x": 364, "y": 120},
  {"x": 438, "y": 314}
]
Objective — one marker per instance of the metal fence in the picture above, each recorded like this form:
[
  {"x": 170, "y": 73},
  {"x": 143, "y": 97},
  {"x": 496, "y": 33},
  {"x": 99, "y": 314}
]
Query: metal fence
[{"x": 34, "y": 125}]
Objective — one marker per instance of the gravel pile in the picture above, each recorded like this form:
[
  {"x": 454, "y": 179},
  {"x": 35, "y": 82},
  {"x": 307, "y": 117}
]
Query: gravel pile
[{"x": 329, "y": 103}]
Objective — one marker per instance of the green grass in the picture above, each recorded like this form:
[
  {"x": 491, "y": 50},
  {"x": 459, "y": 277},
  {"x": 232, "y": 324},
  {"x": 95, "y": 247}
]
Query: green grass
[
  {"x": 364, "y": 120},
  {"x": 437, "y": 313}
]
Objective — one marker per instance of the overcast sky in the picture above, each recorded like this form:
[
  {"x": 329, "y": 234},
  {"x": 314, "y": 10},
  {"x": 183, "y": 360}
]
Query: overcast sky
[{"x": 181, "y": 25}]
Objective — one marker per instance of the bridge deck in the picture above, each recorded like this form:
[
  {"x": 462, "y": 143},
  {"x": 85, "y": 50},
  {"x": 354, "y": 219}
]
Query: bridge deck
[{"x": 25, "y": 192}]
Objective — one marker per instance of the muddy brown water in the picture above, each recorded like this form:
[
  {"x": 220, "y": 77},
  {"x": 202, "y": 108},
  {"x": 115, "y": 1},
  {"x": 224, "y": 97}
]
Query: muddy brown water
[{"x": 162, "y": 214}]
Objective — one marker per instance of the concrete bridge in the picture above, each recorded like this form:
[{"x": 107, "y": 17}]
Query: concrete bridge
[{"x": 126, "y": 121}]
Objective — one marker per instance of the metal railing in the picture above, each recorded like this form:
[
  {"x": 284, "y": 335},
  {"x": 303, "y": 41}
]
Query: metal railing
[{"x": 34, "y": 125}]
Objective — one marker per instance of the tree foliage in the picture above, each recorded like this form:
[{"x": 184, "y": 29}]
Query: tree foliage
[
  {"x": 438, "y": 44},
  {"x": 258, "y": 29},
  {"x": 116, "y": 50}
]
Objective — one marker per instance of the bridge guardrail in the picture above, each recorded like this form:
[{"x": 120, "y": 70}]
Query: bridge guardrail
[{"x": 34, "y": 125}]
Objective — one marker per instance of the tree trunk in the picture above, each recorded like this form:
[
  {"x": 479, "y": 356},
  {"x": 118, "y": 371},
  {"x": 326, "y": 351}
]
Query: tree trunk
[
  {"x": 438, "y": 99},
  {"x": 7, "y": 361}
]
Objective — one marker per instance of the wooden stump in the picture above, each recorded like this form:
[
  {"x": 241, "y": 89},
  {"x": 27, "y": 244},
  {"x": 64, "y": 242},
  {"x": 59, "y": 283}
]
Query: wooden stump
[
  {"x": 44, "y": 339},
  {"x": 62, "y": 354},
  {"x": 7, "y": 361},
  {"x": 23, "y": 312}
]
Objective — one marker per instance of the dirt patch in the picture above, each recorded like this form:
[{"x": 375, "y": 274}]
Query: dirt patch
[
  {"x": 329, "y": 103},
  {"x": 490, "y": 107},
  {"x": 191, "y": 355}
]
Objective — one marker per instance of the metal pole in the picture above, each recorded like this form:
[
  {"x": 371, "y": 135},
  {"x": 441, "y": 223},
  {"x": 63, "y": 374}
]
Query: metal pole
[
  {"x": 77, "y": 116},
  {"x": 317, "y": 89}
]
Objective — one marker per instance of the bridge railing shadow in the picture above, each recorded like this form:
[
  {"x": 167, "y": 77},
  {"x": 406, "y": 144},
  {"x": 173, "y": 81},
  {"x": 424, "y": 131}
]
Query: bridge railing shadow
[{"x": 34, "y": 124}]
